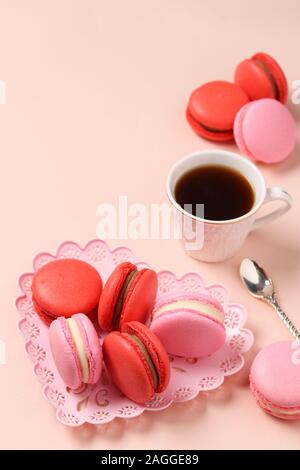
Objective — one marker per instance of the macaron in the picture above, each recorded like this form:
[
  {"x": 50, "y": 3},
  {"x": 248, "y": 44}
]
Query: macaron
[
  {"x": 262, "y": 77},
  {"x": 64, "y": 287},
  {"x": 189, "y": 324},
  {"x": 275, "y": 379},
  {"x": 265, "y": 131},
  {"x": 76, "y": 350},
  {"x": 129, "y": 294},
  {"x": 212, "y": 108},
  {"x": 136, "y": 362}
]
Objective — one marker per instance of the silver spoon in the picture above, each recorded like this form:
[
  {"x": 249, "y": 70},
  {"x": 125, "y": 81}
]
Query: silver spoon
[{"x": 261, "y": 286}]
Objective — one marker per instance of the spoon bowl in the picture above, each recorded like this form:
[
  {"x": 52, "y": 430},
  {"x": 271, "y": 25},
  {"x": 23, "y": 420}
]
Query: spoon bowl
[{"x": 255, "y": 279}]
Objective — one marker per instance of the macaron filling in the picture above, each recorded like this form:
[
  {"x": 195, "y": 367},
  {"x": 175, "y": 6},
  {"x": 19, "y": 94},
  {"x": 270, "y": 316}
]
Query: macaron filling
[
  {"x": 274, "y": 409},
  {"x": 207, "y": 128},
  {"x": 50, "y": 316},
  {"x": 147, "y": 357},
  {"x": 210, "y": 129},
  {"x": 270, "y": 76},
  {"x": 121, "y": 298},
  {"x": 196, "y": 305},
  {"x": 42, "y": 311},
  {"x": 80, "y": 349}
]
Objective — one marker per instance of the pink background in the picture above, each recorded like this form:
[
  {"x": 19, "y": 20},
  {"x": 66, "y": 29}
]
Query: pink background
[{"x": 96, "y": 94}]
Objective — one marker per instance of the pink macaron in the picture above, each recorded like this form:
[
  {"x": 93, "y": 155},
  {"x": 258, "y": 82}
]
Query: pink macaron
[
  {"x": 265, "y": 131},
  {"x": 189, "y": 325},
  {"x": 76, "y": 350},
  {"x": 275, "y": 379}
]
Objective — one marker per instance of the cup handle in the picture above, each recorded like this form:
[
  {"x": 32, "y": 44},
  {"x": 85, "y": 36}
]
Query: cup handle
[{"x": 274, "y": 194}]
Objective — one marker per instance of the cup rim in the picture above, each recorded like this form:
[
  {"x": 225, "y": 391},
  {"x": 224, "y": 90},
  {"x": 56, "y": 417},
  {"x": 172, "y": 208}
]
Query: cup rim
[{"x": 225, "y": 153}]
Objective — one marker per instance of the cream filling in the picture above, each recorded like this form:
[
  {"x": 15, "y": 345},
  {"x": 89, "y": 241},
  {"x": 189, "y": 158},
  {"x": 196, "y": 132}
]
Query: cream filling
[
  {"x": 200, "y": 307},
  {"x": 147, "y": 357},
  {"x": 80, "y": 349},
  {"x": 280, "y": 411}
]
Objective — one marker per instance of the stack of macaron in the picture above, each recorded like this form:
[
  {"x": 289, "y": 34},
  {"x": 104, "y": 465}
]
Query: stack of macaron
[
  {"x": 69, "y": 297},
  {"x": 251, "y": 110}
]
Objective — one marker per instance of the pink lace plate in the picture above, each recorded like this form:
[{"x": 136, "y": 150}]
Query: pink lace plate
[{"x": 102, "y": 402}]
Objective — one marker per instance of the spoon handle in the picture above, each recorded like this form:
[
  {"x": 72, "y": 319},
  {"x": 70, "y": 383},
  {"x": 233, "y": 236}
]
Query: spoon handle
[{"x": 283, "y": 316}]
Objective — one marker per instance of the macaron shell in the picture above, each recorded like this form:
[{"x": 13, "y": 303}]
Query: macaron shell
[
  {"x": 267, "y": 129},
  {"x": 64, "y": 353},
  {"x": 187, "y": 333},
  {"x": 110, "y": 294},
  {"x": 65, "y": 287},
  {"x": 215, "y": 105},
  {"x": 276, "y": 376},
  {"x": 140, "y": 298},
  {"x": 127, "y": 367},
  {"x": 92, "y": 345},
  {"x": 155, "y": 349}
]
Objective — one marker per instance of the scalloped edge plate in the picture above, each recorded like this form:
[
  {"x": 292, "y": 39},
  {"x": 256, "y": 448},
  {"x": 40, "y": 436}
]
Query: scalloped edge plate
[{"x": 102, "y": 402}]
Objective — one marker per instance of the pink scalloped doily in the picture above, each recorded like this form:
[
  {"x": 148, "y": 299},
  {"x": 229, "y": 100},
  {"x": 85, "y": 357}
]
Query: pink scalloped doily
[{"x": 102, "y": 402}]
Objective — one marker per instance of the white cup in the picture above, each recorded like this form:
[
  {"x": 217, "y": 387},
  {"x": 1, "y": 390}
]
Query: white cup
[{"x": 223, "y": 238}]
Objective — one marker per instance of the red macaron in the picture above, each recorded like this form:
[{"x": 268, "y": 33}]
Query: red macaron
[
  {"x": 64, "y": 287},
  {"x": 136, "y": 362},
  {"x": 212, "y": 108},
  {"x": 129, "y": 294},
  {"x": 262, "y": 77}
]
